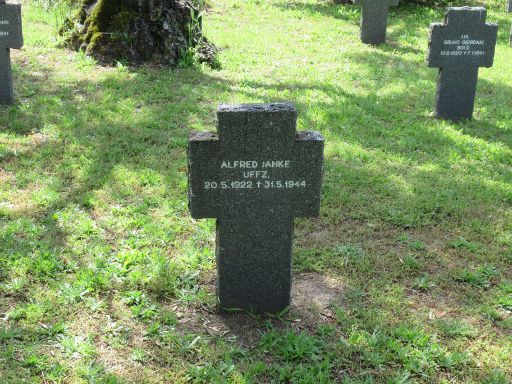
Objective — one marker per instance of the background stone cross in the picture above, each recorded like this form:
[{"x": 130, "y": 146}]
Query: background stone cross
[
  {"x": 11, "y": 36},
  {"x": 374, "y": 20},
  {"x": 459, "y": 47},
  {"x": 255, "y": 176},
  {"x": 509, "y": 9}
]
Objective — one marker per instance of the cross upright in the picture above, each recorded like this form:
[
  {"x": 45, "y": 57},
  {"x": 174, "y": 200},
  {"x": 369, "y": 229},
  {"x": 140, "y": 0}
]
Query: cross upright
[
  {"x": 374, "y": 20},
  {"x": 10, "y": 37},
  {"x": 459, "y": 47},
  {"x": 255, "y": 177}
]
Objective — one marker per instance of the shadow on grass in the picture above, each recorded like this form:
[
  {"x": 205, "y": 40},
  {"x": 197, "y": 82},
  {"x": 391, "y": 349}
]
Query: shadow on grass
[
  {"x": 86, "y": 130},
  {"x": 417, "y": 190}
]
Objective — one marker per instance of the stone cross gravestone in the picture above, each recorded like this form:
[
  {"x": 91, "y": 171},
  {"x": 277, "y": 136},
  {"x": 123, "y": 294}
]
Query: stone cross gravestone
[
  {"x": 10, "y": 37},
  {"x": 255, "y": 176},
  {"x": 459, "y": 47},
  {"x": 374, "y": 20}
]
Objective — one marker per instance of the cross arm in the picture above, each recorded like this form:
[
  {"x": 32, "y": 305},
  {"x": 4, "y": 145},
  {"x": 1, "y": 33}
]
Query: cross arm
[
  {"x": 11, "y": 35},
  {"x": 461, "y": 45},
  {"x": 437, "y": 32},
  {"x": 309, "y": 154},
  {"x": 203, "y": 155}
]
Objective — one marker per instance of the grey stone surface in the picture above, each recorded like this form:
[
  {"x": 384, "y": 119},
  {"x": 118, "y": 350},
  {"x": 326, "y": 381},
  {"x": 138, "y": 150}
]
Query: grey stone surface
[
  {"x": 10, "y": 37},
  {"x": 255, "y": 176},
  {"x": 459, "y": 47},
  {"x": 374, "y": 20}
]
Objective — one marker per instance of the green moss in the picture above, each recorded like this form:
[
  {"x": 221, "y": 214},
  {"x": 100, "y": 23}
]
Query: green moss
[
  {"x": 108, "y": 16},
  {"x": 121, "y": 20},
  {"x": 103, "y": 13},
  {"x": 109, "y": 13},
  {"x": 93, "y": 40}
]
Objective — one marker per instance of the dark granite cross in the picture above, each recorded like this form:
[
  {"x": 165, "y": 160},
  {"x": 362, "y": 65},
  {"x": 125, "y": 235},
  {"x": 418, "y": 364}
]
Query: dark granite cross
[
  {"x": 459, "y": 47},
  {"x": 10, "y": 37},
  {"x": 255, "y": 176},
  {"x": 374, "y": 20}
]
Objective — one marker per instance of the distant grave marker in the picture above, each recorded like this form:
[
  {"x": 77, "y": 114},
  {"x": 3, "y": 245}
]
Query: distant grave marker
[
  {"x": 509, "y": 9},
  {"x": 10, "y": 37},
  {"x": 255, "y": 177},
  {"x": 459, "y": 47},
  {"x": 374, "y": 20}
]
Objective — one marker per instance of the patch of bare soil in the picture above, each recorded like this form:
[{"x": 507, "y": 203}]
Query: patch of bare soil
[{"x": 313, "y": 296}]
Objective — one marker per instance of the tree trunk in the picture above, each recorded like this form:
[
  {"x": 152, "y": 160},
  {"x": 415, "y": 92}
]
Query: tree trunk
[{"x": 165, "y": 32}]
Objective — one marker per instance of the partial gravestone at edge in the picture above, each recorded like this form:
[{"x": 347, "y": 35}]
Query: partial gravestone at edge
[
  {"x": 374, "y": 20},
  {"x": 11, "y": 36},
  {"x": 458, "y": 47},
  {"x": 255, "y": 176},
  {"x": 509, "y": 9}
]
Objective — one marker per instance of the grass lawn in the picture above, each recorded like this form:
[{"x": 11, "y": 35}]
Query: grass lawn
[{"x": 405, "y": 278}]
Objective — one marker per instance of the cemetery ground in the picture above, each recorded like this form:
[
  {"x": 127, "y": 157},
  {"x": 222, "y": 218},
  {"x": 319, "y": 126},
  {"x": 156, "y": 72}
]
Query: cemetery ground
[{"x": 406, "y": 277}]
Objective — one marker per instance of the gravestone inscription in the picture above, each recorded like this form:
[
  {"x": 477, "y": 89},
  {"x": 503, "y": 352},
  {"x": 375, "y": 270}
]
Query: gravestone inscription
[
  {"x": 374, "y": 20},
  {"x": 459, "y": 47},
  {"x": 254, "y": 177},
  {"x": 10, "y": 37}
]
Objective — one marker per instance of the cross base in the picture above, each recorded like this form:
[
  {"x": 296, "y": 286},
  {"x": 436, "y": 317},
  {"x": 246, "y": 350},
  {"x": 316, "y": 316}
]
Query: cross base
[
  {"x": 6, "y": 87},
  {"x": 254, "y": 263},
  {"x": 456, "y": 89}
]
